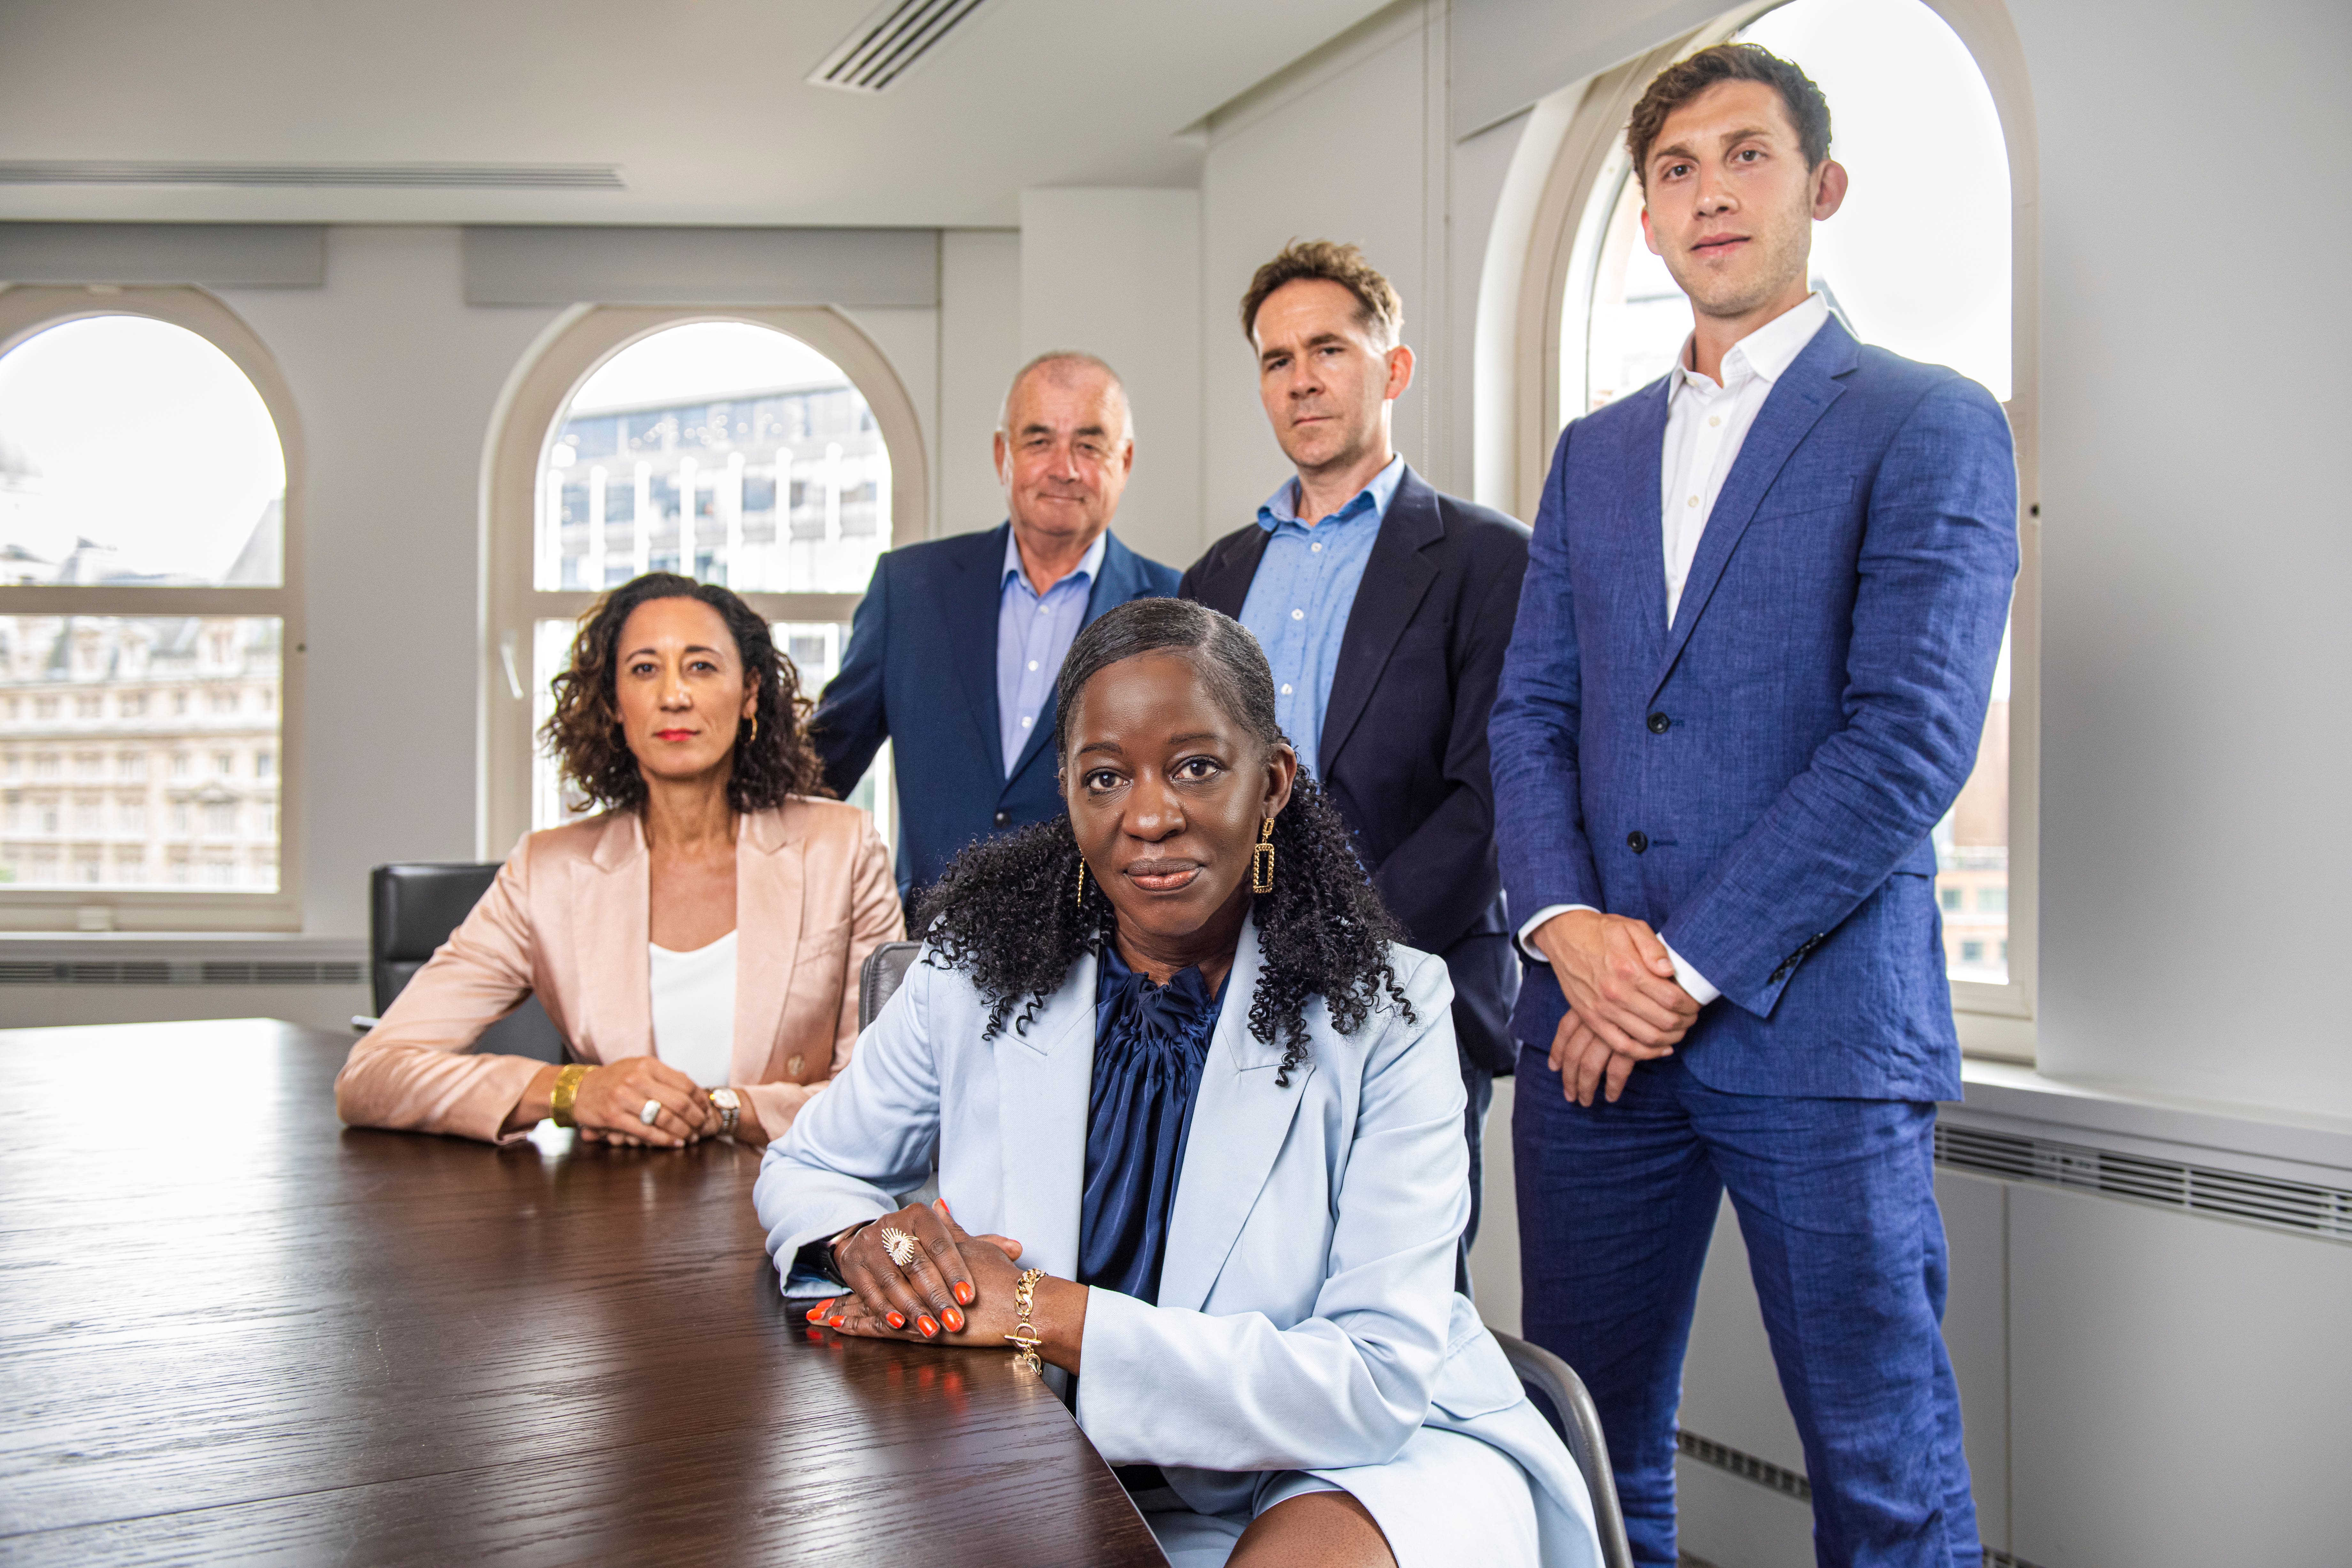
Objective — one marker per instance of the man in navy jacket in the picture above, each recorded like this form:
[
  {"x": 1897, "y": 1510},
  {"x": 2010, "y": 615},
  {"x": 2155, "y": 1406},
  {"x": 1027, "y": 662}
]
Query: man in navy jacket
[
  {"x": 1749, "y": 674},
  {"x": 1384, "y": 607},
  {"x": 953, "y": 653}
]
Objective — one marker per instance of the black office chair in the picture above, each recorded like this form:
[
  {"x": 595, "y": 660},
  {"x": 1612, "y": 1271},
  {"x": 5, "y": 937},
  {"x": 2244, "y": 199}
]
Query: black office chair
[
  {"x": 1560, "y": 1394},
  {"x": 412, "y": 909},
  {"x": 878, "y": 977}
]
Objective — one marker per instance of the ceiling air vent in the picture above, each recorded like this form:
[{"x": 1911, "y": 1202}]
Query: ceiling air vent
[
  {"x": 890, "y": 42},
  {"x": 316, "y": 176}
]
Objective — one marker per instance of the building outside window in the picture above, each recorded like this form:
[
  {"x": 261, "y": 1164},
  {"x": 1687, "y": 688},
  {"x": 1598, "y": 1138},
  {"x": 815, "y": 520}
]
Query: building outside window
[{"x": 144, "y": 593}]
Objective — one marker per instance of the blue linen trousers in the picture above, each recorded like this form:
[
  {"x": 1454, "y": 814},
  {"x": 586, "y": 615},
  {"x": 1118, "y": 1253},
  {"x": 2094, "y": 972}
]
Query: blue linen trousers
[{"x": 1836, "y": 1200}]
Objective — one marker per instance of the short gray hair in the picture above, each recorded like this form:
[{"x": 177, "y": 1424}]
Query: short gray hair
[{"x": 1060, "y": 362}]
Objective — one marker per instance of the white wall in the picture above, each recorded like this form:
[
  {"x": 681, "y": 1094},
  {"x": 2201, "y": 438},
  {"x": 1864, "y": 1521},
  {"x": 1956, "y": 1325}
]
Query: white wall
[
  {"x": 2196, "y": 649},
  {"x": 1116, "y": 273},
  {"x": 980, "y": 348}
]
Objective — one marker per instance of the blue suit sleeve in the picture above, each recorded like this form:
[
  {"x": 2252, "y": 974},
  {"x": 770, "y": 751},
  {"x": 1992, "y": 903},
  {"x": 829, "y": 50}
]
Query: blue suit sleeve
[
  {"x": 1532, "y": 736},
  {"x": 1938, "y": 561},
  {"x": 852, "y": 721}
]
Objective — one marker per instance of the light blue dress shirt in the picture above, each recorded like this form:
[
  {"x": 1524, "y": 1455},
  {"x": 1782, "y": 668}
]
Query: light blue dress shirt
[
  {"x": 1298, "y": 602},
  {"x": 1033, "y": 631}
]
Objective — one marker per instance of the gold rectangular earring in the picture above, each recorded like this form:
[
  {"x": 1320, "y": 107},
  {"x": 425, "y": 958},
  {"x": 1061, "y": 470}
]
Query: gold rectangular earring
[
  {"x": 1262, "y": 860},
  {"x": 1082, "y": 881}
]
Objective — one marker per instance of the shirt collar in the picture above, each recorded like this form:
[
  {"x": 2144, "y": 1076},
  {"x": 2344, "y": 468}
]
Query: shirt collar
[
  {"x": 1766, "y": 354},
  {"x": 1282, "y": 505},
  {"x": 1089, "y": 566}
]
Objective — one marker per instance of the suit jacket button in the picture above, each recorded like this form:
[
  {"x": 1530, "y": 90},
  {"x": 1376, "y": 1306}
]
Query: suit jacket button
[
  {"x": 1637, "y": 841},
  {"x": 1660, "y": 723},
  {"x": 1004, "y": 819}
]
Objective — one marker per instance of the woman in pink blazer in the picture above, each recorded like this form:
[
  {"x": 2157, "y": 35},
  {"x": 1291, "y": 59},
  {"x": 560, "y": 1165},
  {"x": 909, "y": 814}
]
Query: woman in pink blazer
[{"x": 698, "y": 944}]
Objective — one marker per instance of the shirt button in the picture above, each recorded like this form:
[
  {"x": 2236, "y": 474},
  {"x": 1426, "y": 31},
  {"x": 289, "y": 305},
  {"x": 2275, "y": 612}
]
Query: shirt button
[
  {"x": 1637, "y": 841},
  {"x": 1316, "y": 548},
  {"x": 1004, "y": 819},
  {"x": 1298, "y": 614},
  {"x": 1714, "y": 418},
  {"x": 1693, "y": 501},
  {"x": 1041, "y": 609},
  {"x": 1033, "y": 664},
  {"x": 1285, "y": 691},
  {"x": 1026, "y": 722}
]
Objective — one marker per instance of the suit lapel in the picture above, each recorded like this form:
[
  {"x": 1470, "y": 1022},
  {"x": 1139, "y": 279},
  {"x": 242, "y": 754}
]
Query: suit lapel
[
  {"x": 1239, "y": 1124},
  {"x": 613, "y": 904},
  {"x": 1226, "y": 588},
  {"x": 1042, "y": 1079},
  {"x": 770, "y": 873},
  {"x": 1396, "y": 577},
  {"x": 1645, "y": 460},
  {"x": 1791, "y": 410},
  {"x": 968, "y": 599}
]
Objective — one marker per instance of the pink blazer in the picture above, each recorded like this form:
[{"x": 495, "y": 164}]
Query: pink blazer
[{"x": 568, "y": 918}]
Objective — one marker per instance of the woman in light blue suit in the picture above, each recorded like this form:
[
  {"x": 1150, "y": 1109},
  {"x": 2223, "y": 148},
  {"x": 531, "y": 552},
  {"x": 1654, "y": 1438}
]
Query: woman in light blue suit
[{"x": 1197, "y": 1125}]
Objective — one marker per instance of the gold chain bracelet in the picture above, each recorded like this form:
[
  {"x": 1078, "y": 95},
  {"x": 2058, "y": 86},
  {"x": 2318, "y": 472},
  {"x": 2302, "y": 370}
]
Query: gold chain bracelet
[
  {"x": 567, "y": 1091},
  {"x": 1024, "y": 1332}
]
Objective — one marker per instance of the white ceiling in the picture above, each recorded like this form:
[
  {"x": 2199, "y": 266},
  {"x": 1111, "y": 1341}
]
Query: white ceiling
[{"x": 700, "y": 102}]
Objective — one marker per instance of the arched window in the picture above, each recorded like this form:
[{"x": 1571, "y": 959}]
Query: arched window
[
  {"x": 146, "y": 614},
  {"x": 743, "y": 450},
  {"x": 1920, "y": 259}
]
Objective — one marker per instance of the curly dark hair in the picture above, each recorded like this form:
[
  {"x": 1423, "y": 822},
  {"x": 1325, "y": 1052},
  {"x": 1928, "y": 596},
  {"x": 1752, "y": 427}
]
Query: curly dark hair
[
  {"x": 585, "y": 731},
  {"x": 1005, "y": 915}
]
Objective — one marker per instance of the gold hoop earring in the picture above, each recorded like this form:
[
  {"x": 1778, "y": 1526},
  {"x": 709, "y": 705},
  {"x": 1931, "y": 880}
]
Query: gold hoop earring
[
  {"x": 755, "y": 725},
  {"x": 1082, "y": 881},
  {"x": 1262, "y": 859}
]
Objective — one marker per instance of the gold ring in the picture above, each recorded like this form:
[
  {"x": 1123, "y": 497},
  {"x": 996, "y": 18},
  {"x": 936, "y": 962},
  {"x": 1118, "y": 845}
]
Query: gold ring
[{"x": 901, "y": 1246}]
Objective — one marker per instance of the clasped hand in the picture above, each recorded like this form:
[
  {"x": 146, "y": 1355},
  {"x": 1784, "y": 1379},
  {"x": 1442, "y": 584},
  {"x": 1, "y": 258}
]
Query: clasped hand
[
  {"x": 1624, "y": 1004},
  {"x": 952, "y": 1283},
  {"x": 611, "y": 1105}
]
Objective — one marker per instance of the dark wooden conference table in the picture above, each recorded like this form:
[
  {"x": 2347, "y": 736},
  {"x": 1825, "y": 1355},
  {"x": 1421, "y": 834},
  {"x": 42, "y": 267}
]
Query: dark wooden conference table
[{"x": 232, "y": 1329}]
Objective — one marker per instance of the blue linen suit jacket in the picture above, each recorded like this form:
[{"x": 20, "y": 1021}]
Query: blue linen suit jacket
[
  {"x": 1758, "y": 781},
  {"x": 920, "y": 671}
]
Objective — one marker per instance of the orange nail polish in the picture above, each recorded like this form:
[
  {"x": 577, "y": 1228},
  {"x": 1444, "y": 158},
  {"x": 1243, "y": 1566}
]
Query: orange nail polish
[
  {"x": 928, "y": 1327},
  {"x": 896, "y": 1319},
  {"x": 822, "y": 1307},
  {"x": 963, "y": 1293},
  {"x": 953, "y": 1320},
  {"x": 838, "y": 1321}
]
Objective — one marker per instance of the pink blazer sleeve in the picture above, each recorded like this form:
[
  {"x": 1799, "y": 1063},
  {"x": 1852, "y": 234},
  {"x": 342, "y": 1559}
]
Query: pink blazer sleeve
[
  {"x": 414, "y": 1071},
  {"x": 874, "y": 916}
]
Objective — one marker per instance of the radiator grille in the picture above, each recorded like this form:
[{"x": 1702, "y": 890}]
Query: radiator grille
[
  {"x": 889, "y": 42},
  {"x": 1789, "y": 1483},
  {"x": 420, "y": 176},
  {"x": 181, "y": 972},
  {"x": 2298, "y": 1206}
]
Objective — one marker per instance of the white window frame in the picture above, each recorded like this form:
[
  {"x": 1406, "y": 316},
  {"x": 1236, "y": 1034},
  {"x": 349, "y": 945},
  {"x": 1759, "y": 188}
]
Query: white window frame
[
  {"x": 1994, "y": 1020},
  {"x": 25, "y": 310},
  {"x": 569, "y": 352}
]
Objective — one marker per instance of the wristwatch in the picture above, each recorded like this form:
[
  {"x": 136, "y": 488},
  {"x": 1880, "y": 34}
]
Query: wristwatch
[
  {"x": 817, "y": 1257},
  {"x": 731, "y": 1109}
]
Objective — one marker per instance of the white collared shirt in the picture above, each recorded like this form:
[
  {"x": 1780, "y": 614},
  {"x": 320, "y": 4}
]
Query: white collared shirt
[{"x": 1707, "y": 424}]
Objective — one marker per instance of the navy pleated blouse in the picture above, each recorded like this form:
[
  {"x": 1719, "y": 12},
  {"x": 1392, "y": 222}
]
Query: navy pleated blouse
[{"x": 1149, "y": 1044}]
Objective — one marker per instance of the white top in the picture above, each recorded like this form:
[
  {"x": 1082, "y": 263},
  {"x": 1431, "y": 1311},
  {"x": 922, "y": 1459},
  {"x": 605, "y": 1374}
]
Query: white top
[
  {"x": 693, "y": 1010},
  {"x": 1707, "y": 424}
]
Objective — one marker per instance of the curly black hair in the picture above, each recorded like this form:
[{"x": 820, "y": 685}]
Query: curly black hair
[
  {"x": 584, "y": 730},
  {"x": 1005, "y": 911}
]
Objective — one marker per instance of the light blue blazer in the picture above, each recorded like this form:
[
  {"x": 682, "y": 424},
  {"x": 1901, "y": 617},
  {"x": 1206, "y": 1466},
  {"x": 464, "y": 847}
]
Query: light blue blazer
[{"x": 1306, "y": 1317}]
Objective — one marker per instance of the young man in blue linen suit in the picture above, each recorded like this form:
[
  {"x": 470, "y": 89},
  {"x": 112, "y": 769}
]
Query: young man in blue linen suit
[
  {"x": 1750, "y": 673},
  {"x": 955, "y": 648}
]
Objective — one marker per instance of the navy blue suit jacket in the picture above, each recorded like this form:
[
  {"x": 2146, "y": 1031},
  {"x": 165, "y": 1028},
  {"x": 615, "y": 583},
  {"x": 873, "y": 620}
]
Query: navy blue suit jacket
[
  {"x": 1404, "y": 738},
  {"x": 920, "y": 671},
  {"x": 1759, "y": 781}
]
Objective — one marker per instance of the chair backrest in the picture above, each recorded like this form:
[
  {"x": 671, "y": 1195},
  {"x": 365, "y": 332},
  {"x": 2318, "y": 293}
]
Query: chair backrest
[
  {"x": 877, "y": 980},
  {"x": 1567, "y": 1406},
  {"x": 412, "y": 908}
]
